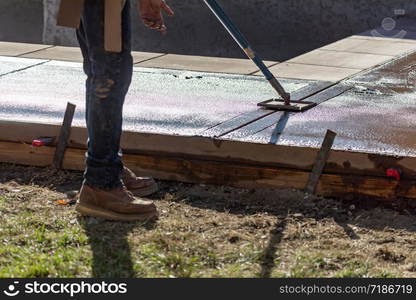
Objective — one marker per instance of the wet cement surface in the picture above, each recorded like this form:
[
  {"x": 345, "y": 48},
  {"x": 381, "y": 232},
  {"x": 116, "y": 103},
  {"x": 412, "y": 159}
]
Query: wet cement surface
[
  {"x": 373, "y": 112},
  {"x": 11, "y": 64},
  {"x": 377, "y": 115},
  {"x": 159, "y": 101}
]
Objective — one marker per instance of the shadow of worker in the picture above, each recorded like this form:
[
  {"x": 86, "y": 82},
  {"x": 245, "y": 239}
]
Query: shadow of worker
[
  {"x": 110, "y": 247},
  {"x": 267, "y": 260}
]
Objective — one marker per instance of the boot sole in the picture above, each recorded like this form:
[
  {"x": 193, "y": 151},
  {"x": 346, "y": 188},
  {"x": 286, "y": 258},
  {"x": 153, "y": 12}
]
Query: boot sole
[
  {"x": 98, "y": 212},
  {"x": 147, "y": 191}
]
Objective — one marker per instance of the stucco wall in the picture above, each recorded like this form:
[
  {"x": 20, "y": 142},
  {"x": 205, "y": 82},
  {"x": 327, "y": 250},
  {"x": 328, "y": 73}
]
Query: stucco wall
[
  {"x": 21, "y": 20},
  {"x": 278, "y": 29}
]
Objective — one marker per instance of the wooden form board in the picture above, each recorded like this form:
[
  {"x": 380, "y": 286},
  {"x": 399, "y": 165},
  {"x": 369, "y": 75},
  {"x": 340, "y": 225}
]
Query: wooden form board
[
  {"x": 213, "y": 172},
  {"x": 206, "y": 160},
  {"x": 301, "y": 158}
]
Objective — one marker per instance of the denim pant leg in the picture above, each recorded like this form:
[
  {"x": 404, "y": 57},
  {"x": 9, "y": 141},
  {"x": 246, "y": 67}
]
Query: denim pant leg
[{"x": 108, "y": 80}]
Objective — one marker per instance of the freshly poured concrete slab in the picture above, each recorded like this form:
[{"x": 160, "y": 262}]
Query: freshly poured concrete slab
[
  {"x": 16, "y": 49},
  {"x": 373, "y": 112},
  {"x": 271, "y": 119},
  {"x": 187, "y": 103},
  {"x": 247, "y": 119},
  {"x": 12, "y": 64},
  {"x": 159, "y": 101},
  {"x": 377, "y": 115},
  {"x": 204, "y": 64}
]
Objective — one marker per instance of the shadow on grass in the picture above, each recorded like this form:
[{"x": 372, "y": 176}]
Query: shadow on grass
[
  {"x": 111, "y": 252},
  {"x": 110, "y": 247},
  {"x": 109, "y": 240},
  {"x": 289, "y": 205},
  {"x": 267, "y": 261}
]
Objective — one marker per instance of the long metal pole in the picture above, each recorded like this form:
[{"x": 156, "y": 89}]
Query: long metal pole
[{"x": 244, "y": 44}]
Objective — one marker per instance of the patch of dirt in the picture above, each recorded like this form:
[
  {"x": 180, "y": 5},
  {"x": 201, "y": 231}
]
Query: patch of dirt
[
  {"x": 217, "y": 231},
  {"x": 387, "y": 255}
]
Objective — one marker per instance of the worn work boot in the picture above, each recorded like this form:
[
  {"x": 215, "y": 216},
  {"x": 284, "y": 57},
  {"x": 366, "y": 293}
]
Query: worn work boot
[
  {"x": 118, "y": 204},
  {"x": 139, "y": 186}
]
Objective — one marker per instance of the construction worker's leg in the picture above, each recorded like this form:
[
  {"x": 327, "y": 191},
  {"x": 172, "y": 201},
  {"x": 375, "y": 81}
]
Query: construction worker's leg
[
  {"x": 87, "y": 64},
  {"x": 109, "y": 78}
]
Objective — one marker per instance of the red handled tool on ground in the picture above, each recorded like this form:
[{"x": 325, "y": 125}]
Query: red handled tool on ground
[{"x": 284, "y": 103}]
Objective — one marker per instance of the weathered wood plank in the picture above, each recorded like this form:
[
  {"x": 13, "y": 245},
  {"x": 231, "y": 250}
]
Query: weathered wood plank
[
  {"x": 320, "y": 162},
  {"x": 64, "y": 134},
  {"x": 202, "y": 148},
  {"x": 212, "y": 172}
]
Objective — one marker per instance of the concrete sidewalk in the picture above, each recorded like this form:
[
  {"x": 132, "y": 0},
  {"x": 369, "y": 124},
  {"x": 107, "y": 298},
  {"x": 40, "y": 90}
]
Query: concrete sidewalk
[{"x": 333, "y": 62}]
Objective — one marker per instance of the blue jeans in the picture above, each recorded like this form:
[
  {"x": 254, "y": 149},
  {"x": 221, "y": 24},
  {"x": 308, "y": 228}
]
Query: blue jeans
[{"x": 108, "y": 80}]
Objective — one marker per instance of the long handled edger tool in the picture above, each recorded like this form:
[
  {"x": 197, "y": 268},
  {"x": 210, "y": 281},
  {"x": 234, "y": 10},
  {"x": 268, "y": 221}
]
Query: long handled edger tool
[{"x": 285, "y": 102}]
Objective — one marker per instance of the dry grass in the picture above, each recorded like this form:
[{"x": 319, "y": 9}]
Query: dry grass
[{"x": 202, "y": 231}]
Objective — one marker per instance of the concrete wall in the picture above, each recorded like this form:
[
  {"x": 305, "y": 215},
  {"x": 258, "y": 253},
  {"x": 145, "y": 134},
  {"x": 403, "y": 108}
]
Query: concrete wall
[
  {"x": 278, "y": 29},
  {"x": 21, "y": 20},
  {"x": 52, "y": 34}
]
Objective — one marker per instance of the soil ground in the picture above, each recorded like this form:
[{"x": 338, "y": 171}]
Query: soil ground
[{"x": 202, "y": 231}]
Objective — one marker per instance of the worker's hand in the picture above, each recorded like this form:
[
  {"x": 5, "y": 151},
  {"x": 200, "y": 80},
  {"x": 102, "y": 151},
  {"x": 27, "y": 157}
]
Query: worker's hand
[{"x": 151, "y": 13}]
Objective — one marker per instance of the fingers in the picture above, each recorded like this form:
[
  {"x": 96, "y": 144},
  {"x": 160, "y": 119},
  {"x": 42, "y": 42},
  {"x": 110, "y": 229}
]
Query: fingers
[
  {"x": 157, "y": 25},
  {"x": 152, "y": 15},
  {"x": 167, "y": 9}
]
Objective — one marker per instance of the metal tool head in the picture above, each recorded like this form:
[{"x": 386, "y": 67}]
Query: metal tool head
[{"x": 280, "y": 105}]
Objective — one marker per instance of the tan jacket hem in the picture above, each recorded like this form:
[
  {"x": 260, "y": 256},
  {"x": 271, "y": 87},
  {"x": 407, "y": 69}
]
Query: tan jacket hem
[{"x": 70, "y": 12}]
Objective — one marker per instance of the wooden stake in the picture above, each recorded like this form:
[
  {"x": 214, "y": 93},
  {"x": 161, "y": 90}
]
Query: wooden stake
[
  {"x": 64, "y": 136},
  {"x": 320, "y": 162}
]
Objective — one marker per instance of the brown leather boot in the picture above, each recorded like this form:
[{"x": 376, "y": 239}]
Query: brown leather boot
[
  {"x": 139, "y": 186},
  {"x": 118, "y": 204}
]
